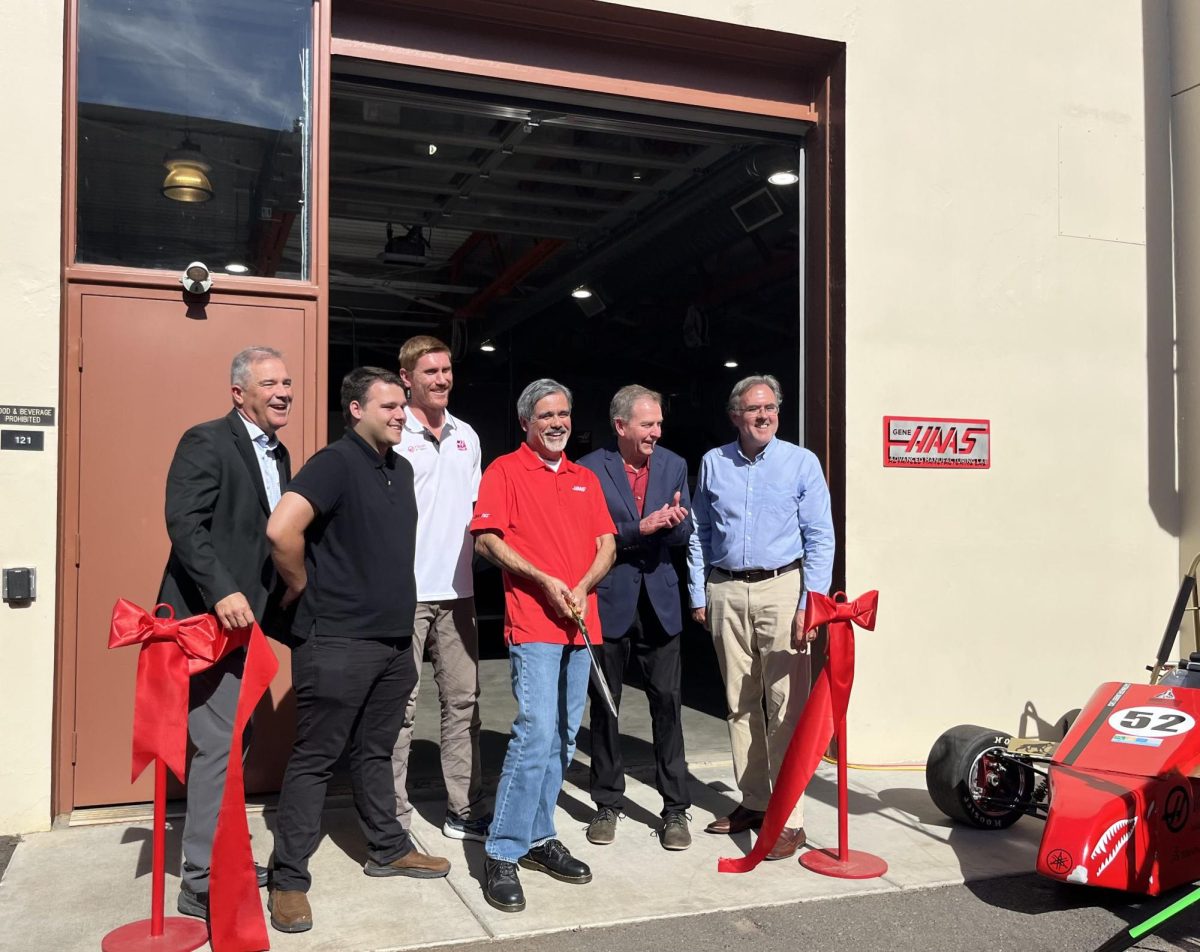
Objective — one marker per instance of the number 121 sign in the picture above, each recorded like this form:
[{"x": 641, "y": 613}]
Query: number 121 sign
[{"x": 937, "y": 443}]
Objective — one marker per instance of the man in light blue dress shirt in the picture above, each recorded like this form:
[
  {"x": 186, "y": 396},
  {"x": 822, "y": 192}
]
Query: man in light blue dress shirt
[{"x": 764, "y": 538}]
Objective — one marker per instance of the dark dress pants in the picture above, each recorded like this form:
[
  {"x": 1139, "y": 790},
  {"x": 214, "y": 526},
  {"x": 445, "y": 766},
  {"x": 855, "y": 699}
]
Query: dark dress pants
[
  {"x": 349, "y": 691},
  {"x": 657, "y": 657}
]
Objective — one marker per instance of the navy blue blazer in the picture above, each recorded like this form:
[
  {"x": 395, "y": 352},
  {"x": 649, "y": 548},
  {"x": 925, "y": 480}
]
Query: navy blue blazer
[{"x": 641, "y": 558}]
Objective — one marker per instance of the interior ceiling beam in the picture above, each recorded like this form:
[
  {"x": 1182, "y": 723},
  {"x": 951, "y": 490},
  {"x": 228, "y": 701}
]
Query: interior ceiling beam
[
  {"x": 419, "y": 187},
  {"x": 381, "y": 213},
  {"x": 508, "y": 279},
  {"x": 509, "y": 142},
  {"x": 438, "y": 137},
  {"x": 598, "y": 155},
  {"x": 639, "y": 231},
  {"x": 566, "y": 178},
  {"x": 403, "y": 285},
  {"x": 543, "y": 198},
  {"x": 386, "y": 161}
]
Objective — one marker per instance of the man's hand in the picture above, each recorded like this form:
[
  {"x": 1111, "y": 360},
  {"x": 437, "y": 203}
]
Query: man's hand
[
  {"x": 700, "y": 616},
  {"x": 559, "y": 595},
  {"x": 800, "y": 638},
  {"x": 291, "y": 595},
  {"x": 233, "y": 611},
  {"x": 579, "y": 596},
  {"x": 668, "y": 517}
]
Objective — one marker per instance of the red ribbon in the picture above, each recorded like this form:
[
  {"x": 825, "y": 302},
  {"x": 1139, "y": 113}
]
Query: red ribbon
[
  {"x": 172, "y": 651},
  {"x": 826, "y": 708}
]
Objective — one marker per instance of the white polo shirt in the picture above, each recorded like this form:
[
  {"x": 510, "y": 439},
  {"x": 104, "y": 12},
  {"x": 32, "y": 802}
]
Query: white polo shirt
[{"x": 446, "y": 481}]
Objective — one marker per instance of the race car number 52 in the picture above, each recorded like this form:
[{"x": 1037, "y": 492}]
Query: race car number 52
[{"x": 1151, "y": 721}]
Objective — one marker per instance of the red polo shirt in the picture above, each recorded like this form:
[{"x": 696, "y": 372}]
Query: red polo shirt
[{"x": 552, "y": 519}]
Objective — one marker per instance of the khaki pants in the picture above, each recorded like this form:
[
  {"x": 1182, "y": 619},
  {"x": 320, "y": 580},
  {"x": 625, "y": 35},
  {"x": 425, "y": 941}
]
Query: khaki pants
[
  {"x": 751, "y": 626},
  {"x": 450, "y": 631}
]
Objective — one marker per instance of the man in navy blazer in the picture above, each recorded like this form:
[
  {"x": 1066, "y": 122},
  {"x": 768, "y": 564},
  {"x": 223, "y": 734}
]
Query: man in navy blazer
[{"x": 645, "y": 487}]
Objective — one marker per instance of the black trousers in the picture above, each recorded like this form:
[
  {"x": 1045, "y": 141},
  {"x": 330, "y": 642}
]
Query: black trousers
[
  {"x": 657, "y": 656},
  {"x": 349, "y": 691}
]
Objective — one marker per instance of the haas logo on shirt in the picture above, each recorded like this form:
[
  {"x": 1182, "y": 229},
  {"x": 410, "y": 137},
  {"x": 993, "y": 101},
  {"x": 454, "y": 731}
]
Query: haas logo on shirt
[
  {"x": 579, "y": 489},
  {"x": 462, "y": 444}
]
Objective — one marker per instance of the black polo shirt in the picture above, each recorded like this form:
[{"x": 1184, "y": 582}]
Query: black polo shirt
[{"x": 359, "y": 549}]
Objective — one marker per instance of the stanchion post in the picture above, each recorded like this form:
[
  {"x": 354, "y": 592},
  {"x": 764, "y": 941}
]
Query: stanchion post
[{"x": 158, "y": 933}]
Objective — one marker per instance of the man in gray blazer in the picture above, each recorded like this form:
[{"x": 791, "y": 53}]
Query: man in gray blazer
[
  {"x": 645, "y": 487},
  {"x": 225, "y": 478}
]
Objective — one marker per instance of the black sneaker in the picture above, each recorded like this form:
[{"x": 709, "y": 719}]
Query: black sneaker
[
  {"x": 457, "y": 828},
  {"x": 503, "y": 888},
  {"x": 556, "y": 860},
  {"x": 192, "y": 903}
]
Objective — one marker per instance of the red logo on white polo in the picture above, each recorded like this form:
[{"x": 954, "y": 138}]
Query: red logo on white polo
[{"x": 462, "y": 444}]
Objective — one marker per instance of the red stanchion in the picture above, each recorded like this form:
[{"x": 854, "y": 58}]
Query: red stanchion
[
  {"x": 170, "y": 651},
  {"x": 158, "y": 933},
  {"x": 845, "y": 863},
  {"x": 824, "y": 713}
]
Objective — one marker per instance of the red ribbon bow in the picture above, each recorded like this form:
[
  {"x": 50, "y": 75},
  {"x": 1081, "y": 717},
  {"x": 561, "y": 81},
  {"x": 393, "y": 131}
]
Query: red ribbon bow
[
  {"x": 172, "y": 651},
  {"x": 826, "y": 708}
]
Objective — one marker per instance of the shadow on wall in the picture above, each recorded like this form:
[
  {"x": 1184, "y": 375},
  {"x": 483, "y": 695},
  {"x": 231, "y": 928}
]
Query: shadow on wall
[{"x": 1162, "y": 421}]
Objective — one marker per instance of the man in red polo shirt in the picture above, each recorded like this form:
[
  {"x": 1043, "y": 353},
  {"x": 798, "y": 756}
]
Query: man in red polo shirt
[{"x": 543, "y": 520}]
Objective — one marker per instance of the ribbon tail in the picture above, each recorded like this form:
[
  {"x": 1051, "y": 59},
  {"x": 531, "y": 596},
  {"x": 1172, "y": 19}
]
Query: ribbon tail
[
  {"x": 809, "y": 741},
  {"x": 235, "y": 910},
  {"x": 160, "y": 708}
]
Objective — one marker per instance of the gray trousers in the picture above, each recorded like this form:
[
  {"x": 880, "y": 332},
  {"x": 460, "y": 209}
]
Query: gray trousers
[
  {"x": 449, "y": 629},
  {"x": 212, "y": 706}
]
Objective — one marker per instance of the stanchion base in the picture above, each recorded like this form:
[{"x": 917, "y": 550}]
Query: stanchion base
[
  {"x": 179, "y": 935},
  {"x": 857, "y": 865}
]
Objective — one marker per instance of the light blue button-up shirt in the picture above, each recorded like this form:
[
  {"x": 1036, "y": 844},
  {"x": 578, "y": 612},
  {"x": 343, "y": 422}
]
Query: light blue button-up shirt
[
  {"x": 760, "y": 513},
  {"x": 264, "y": 452}
]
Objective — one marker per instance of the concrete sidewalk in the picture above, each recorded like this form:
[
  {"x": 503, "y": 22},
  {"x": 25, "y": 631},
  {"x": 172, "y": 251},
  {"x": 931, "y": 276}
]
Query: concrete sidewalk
[{"x": 65, "y": 889}]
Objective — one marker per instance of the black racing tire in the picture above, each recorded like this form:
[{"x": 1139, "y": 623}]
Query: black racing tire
[{"x": 958, "y": 769}]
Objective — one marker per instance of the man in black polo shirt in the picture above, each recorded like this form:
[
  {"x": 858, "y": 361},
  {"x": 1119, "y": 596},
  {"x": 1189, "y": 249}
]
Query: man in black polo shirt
[{"x": 343, "y": 538}]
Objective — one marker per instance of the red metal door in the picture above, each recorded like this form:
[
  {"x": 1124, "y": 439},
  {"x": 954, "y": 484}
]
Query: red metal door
[{"x": 152, "y": 365}]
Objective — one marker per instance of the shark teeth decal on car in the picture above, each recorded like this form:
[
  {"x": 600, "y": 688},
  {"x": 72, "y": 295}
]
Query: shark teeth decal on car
[{"x": 1113, "y": 841}]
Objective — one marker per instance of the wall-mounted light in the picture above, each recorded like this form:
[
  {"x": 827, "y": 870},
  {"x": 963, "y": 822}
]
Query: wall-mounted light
[
  {"x": 582, "y": 292},
  {"x": 187, "y": 174},
  {"x": 487, "y": 347}
]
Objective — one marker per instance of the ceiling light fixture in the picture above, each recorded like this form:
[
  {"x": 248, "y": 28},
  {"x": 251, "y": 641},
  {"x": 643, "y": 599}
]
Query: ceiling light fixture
[
  {"x": 783, "y": 177},
  {"x": 487, "y": 347},
  {"x": 582, "y": 292},
  {"x": 187, "y": 174},
  {"x": 433, "y": 148},
  {"x": 731, "y": 364},
  {"x": 235, "y": 268}
]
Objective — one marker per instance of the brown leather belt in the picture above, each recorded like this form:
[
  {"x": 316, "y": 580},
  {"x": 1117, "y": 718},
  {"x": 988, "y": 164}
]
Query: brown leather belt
[{"x": 759, "y": 575}]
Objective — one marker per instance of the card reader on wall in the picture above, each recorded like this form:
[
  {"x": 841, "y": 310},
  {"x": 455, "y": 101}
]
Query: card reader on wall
[{"x": 19, "y": 585}]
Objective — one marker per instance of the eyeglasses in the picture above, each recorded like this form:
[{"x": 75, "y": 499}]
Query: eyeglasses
[{"x": 769, "y": 408}]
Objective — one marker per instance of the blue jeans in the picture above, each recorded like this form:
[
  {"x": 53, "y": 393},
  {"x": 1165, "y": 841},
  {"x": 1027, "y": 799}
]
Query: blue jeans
[{"x": 550, "y": 685}]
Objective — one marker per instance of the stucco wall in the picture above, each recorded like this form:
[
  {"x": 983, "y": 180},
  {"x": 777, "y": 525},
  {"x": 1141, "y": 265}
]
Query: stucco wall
[
  {"x": 31, "y": 42},
  {"x": 996, "y": 247}
]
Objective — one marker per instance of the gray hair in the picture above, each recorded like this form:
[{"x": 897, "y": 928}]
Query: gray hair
[
  {"x": 243, "y": 360},
  {"x": 536, "y": 391},
  {"x": 747, "y": 383},
  {"x": 623, "y": 400}
]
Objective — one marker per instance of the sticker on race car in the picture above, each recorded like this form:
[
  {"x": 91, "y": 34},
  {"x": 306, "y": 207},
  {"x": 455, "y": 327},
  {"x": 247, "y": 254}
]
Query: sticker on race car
[
  {"x": 1151, "y": 721},
  {"x": 1167, "y": 695},
  {"x": 1139, "y": 741}
]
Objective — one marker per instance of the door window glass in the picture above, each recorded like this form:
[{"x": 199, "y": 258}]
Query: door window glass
[{"x": 194, "y": 135}]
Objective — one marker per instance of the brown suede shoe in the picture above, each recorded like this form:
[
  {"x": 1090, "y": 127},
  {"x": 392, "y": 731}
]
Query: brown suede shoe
[
  {"x": 738, "y": 821},
  {"x": 791, "y": 838},
  {"x": 413, "y": 863},
  {"x": 290, "y": 911}
]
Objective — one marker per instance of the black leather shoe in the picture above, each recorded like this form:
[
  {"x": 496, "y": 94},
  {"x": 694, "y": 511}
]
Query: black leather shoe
[
  {"x": 192, "y": 903},
  {"x": 556, "y": 860},
  {"x": 503, "y": 888}
]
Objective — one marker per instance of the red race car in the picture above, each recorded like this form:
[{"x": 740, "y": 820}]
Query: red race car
[{"x": 1117, "y": 792}]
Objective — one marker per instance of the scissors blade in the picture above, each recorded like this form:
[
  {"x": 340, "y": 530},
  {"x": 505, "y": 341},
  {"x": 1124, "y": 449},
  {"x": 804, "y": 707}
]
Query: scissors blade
[{"x": 597, "y": 673}]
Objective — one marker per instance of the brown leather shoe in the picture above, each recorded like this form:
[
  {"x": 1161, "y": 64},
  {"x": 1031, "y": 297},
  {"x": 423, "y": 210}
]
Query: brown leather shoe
[
  {"x": 738, "y": 821},
  {"x": 413, "y": 863},
  {"x": 290, "y": 911},
  {"x": 791, "y": 838}
]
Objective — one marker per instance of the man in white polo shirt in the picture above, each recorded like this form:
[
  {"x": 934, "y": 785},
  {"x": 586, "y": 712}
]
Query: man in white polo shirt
[{"x": 445, "y": 457}]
